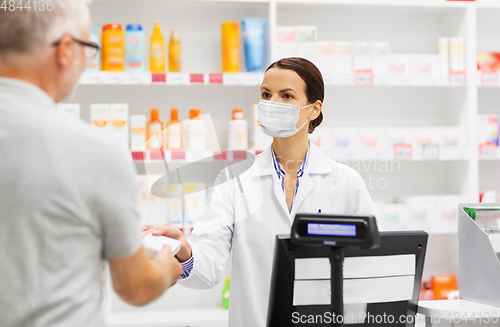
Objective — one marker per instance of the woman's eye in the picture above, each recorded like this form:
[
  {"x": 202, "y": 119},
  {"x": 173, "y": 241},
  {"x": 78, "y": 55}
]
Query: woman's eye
[
  {"x": 288, "y": 96},
  {"x": 265, "y": 95}
]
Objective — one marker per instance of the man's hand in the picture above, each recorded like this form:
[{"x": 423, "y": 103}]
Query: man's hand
[
  {"x": 185, "y": 252},
  {"x": 169, "y": 263}
]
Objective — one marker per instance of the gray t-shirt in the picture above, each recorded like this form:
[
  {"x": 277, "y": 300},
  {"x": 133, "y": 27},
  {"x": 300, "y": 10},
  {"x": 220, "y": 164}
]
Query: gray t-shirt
[{"x": 67, "y": 202}]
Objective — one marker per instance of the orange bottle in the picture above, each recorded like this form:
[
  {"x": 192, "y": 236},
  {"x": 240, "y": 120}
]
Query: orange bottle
[
  {"x": 230, "y": 42},
  {"x": 153, "y": 131},
  {"x": 174, "y": 131},
  {"x": 113, "y": 48}
]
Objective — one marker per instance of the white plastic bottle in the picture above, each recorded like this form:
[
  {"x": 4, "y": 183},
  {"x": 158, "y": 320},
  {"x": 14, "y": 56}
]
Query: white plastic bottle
[
  {"x": 237, "y": 132},
  {"x": 195, "y": 132}
]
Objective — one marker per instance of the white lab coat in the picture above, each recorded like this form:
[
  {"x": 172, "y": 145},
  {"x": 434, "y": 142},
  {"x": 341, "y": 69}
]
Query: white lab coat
[{"x": 250, "y": 228}]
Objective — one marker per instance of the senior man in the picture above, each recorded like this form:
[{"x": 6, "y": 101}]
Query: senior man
[{"x": 67, "y": 198}]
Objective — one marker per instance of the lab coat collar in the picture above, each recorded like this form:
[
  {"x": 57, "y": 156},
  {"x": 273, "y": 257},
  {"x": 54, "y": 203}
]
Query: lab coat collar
[{"x": 317, "y": 163}]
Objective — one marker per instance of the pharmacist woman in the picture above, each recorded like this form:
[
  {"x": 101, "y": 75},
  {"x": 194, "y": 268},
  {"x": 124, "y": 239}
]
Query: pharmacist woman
[{"x": 292, "y": 175}]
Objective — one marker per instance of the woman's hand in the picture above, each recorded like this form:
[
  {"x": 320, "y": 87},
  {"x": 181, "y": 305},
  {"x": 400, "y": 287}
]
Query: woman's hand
[{"x": 185, "y": 252}]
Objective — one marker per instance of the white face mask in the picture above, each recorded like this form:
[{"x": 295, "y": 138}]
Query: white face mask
[{"x": 279, "y": 119}]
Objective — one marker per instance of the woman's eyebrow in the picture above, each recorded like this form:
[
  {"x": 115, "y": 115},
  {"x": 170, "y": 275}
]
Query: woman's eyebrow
[
  {"x": 265, "y": 88},
  {"x": 286, "y": 90}
]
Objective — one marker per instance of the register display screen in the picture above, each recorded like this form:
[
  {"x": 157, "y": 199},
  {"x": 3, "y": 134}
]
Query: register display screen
[{"x": 331, "y": 229}]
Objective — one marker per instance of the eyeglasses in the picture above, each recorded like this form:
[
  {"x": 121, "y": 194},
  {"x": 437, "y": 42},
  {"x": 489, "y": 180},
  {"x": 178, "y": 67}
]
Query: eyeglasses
[{"x": 91, "y": 49}]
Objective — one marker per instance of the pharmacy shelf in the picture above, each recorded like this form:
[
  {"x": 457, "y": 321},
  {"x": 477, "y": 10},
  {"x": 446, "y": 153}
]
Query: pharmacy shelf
[
  {"x": 255, "y": 79},
  {"x": 400, "y": 152},
  {"x": 125, "y": 78},
  {"x": 201, "y": 317}
]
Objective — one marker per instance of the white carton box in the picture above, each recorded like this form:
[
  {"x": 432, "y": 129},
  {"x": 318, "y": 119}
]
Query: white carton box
[
  {"x": 71, "y": 110},
  {"x": 99, "y": 117},
  {"x": 342, "y": 58},
  {"x": 325, "y": 57},
  {"x": 118, "y": 124},
  {"x": 285, "y": 34},
  {"x": 175, "y": 206},
  {"x": 306, "y": 34},
  {"x": 137, "y": 132}
]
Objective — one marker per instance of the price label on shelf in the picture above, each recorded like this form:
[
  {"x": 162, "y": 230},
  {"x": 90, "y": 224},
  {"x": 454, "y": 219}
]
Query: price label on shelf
[
  {"x": 197, "y": 78},
  {"x": 91, "y": 78},
  {"x": 158, "y": 77},
  {"x": 489, "y": 79},
  {"x": 430, "y": 152},
  {"x": 215, "y": 78},
  {"x": 137, "y": 78},
  {"x": 178, "y": 79},
  {"x": 113, "y": 78},
  {"x": 402, "y": 152},
  {"x": 488, "y": 151},
  {"x": 457, "y": 78},
  {"x": 220, "y": 155},
  {"x": 156, "y": 155},
  {"x": 232, "y": 79},
  {"x": 197, "y": 155},
  {"x": 138, "y": 156},
  {"x": 178, "y": 155},
  {"x": 364, "y": 77}
]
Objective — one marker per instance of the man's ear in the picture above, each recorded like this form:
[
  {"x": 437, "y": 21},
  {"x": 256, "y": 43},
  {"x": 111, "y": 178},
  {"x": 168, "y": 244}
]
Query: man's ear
[{"x": 64, "y": 51}]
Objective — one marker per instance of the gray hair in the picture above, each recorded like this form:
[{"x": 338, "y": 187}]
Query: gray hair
[{"x": 29, "y": 33}]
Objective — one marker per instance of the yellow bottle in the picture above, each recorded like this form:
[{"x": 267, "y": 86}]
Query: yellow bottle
[
  {"x": 230, "y": 41},
  {"x": 157, "y": 51},
  {"x": 174, "y": 52}
]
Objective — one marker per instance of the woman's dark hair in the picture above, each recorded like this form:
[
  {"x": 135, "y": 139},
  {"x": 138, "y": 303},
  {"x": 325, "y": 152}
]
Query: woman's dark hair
[{"x": 310, "y": 74}]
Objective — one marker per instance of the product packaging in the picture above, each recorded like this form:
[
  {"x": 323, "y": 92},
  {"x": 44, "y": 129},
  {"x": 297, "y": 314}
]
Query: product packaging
[
  {"x": 195, "y": 131},
  {"x": 174, "y": 52},
  {"x": 71, "y": 110},
  {"x": 306, "y": 34},
  {"x": 157, "y": 204},
  {"x": 143, "y": 198},
  {"x": 237, "y": 132},
  {"x": 308, "y": 51},
  {"x": 325, "y": 57},
  {"x": 285, "y": 34},
  {"x": 175, "y": 206},
  {"x": 113, "y": 48},
  {"x": 154, "y": 130},
  {"x": 99, "y": 116},
  {"x": 488, "y": 61},
  {"x": 380, "y": 57},
  {"x": 118, "y": 127},
  {"x": 134, "y": 42},
  {"x": 342, "y": 58},
  {"x": 230, "y": 47},
  {"x": 457, "y": 54},
  {"x": 137, "y": 132},
  {"x": 94, "y": 64},
  {"x": 173, "y": 131},
  {"x": 285, "y": 50},
  {"x": 362, "y": 55},
  {"x": 195, "y": 199},
  {"x": 157, "y": 51},
  {"x": 487, "y": 130},
  {"x": 254, "y": 40},
  {"x": 444, "y": 55}
]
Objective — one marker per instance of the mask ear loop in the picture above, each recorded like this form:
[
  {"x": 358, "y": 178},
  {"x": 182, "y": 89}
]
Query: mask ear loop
[{"x": 307, "y": 119}]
